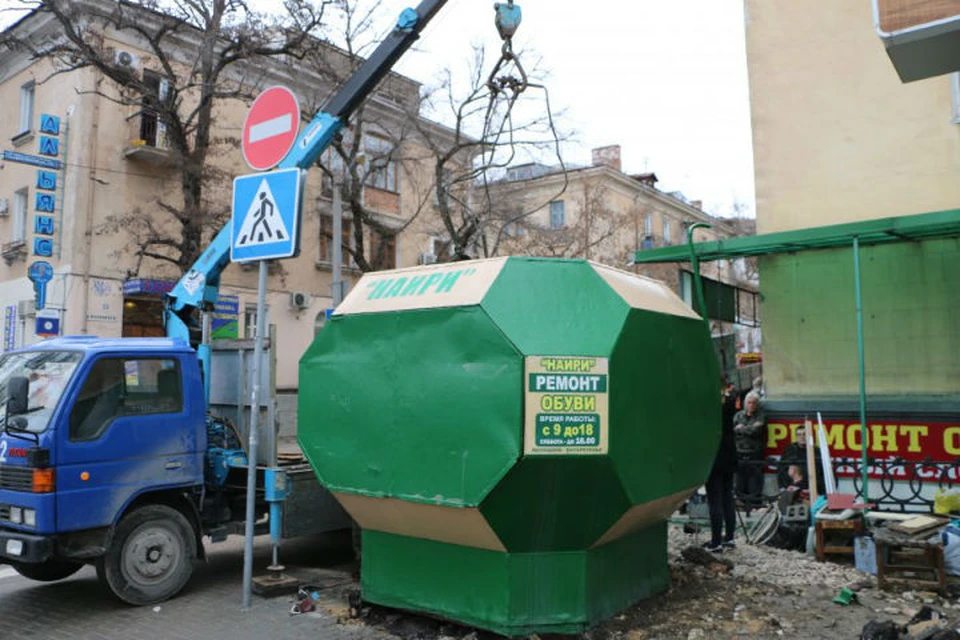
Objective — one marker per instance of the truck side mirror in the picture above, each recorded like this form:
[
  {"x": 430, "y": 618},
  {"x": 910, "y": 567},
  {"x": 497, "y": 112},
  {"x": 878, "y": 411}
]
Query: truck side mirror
[{"x": 18, "y": 395}]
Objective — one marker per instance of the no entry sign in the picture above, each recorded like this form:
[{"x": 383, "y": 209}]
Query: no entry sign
[{"x": 270, "y": 128}]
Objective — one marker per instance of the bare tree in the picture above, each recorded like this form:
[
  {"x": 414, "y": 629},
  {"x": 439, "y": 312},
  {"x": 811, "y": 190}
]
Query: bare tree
[
  {"x": 487, "y": 127},
  {"x": 498, "y": 120},
  {"x": 359, "y": 162},
  {"x": 203, "y": 52},
  {"x": 745, "y": 225}
]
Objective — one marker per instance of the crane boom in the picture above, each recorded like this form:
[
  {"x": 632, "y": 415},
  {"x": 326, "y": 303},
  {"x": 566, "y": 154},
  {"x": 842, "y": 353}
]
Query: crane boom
[{"x": 199, "y": 287}]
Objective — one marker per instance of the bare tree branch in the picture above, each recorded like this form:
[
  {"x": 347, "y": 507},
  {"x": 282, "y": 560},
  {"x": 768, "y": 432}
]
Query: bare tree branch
[{"x": 201, "y": 53}]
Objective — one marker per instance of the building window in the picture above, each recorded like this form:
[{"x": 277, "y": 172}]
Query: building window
[
  {"x": 319, "y": 323},
  {"x": 556, "y": 214},
  {"x": 666, "y": 232},
  {"x": 383, "y": 169},
  {"x": 152, "y": 129},
  {"x": 250, "y": 321},
  {"x": 27, "y": 92},
  {"x": 524, "y": 172},
  {"x": 20, "y": 209},
  {"x": 686, "y": 288},
  {"x": 326, "y": 240},
  {"x": 386, "y": 244},
  {"x": 648, "y": 224},
  {"x": 441, "y": 249}
]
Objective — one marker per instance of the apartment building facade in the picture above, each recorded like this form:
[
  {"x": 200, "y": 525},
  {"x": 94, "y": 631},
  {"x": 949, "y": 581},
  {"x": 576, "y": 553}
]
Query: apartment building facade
[
  {"x": 79, "y": 169},
  {"x": 839, "y": 139},
  {"x": 601, "y": 213},
  {"x": 858, "y": 170}
]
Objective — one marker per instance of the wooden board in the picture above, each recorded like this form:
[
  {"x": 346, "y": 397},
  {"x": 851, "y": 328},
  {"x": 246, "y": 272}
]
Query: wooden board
[
  {"x": 886, "y": 515},
  {"x": 918, "y": 525},
  {"x": 811, "y": 462},
  {"x": 897, "y": 15}
]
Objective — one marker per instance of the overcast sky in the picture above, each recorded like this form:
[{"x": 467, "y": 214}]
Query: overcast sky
[{"x": 666, "y": 80}]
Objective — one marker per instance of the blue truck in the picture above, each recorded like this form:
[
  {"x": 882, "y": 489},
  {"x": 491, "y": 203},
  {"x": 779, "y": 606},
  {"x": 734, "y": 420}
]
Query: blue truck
[
  {"x": 110, "y": 453},
  {"x": 107, "y": 456}
]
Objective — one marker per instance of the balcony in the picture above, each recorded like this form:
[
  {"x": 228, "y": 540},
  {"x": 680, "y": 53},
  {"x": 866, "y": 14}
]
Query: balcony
[
  {"x": 381, "y": 201},
  {"x": 13, "y": 251},
  {"x": 147, "y": 139}
]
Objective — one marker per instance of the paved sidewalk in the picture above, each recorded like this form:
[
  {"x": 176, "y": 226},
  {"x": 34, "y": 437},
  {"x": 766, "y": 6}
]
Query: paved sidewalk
[{"x": 209, "y": 608}]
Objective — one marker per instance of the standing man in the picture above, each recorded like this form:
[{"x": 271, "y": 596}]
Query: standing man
[
  {"x": 750, "y": 430},
  {"x": 720, "y": 482}
]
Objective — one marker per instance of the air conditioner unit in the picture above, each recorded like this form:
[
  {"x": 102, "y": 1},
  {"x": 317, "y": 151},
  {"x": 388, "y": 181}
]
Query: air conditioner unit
[
  {"x": 126, "y": 60},
  {"x": 427, "y": 258},
  {"x": 299, "y": 300},
  {"x": 26, "y": 308},
  {"x": 4, "y": 207}
]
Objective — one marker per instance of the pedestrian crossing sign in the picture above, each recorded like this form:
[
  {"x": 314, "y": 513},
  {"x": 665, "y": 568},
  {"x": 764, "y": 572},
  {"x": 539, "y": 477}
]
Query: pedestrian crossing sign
[{"x": 266, "y": 216}]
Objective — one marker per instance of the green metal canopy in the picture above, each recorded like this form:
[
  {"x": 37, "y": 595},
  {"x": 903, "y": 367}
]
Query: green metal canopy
[
  {"x": 914, "y": 227},
  {"x": 938, "y": 224}
]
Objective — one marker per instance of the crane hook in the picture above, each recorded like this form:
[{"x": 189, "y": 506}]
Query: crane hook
[
  {"x": 507, "y": 21},
  {"x": 508, "y": 18}
]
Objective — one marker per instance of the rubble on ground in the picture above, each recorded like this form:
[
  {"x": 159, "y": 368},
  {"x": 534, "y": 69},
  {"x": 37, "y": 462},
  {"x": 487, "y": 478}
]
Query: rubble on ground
[
  {"x": 750, "y": 591},
  {"x": 790, "y": 568},
  {"x": 772, "y": 593}
]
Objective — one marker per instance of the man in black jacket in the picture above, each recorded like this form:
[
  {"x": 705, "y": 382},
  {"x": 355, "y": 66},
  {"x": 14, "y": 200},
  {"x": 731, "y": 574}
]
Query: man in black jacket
[{"x": 720, "y": 482}]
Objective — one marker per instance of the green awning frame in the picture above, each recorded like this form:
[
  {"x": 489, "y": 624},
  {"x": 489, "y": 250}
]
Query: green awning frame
[
  {"x": 897, "y": 229},
  {"x": 939, "y": 224}
]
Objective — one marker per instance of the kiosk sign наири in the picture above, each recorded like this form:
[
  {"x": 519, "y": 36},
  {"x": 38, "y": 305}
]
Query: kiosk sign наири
[{"x": 566, "y": 405}]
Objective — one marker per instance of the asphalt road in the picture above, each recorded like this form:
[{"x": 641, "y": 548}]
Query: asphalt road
[{"x": 79, "y": 607}]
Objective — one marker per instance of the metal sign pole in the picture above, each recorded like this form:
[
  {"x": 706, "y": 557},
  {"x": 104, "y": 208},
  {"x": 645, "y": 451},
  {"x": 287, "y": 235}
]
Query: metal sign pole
[
  {"x": 864, "y": 434},
  {"x": 337, "y": 241},
  {"x": 252, "y": 447}
]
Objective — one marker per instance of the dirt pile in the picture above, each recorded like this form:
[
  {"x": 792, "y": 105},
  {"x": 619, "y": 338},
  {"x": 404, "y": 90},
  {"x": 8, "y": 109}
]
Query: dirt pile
[
  {"x": 769, "y": 593},
  {"x": 749, "y": 592}
]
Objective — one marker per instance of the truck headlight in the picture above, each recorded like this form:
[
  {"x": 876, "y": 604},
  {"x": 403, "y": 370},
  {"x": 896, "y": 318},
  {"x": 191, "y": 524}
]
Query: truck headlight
[
  {"x": 30, "y": 517},
  {"x": 16, "y": 515}
]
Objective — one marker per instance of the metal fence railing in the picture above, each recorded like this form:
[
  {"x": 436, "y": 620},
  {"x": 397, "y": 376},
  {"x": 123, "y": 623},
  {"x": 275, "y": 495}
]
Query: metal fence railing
[{"x": 895, "y": 484}]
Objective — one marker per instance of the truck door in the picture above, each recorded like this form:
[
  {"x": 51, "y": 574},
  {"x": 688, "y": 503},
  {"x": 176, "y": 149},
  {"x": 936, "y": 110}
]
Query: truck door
[{"x": 127, "y": 431}]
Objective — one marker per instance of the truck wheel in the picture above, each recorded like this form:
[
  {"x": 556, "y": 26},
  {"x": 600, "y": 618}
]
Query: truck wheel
[
  {"x": 48, "y": 571},
  {"x": 151, "y": 556}
]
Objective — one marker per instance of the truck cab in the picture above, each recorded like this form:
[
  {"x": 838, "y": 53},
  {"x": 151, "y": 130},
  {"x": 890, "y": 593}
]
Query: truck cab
[{"x": 102, "y": 453}]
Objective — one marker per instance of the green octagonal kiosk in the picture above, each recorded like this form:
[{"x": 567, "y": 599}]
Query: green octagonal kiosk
[{"x": 511, "y": 434}]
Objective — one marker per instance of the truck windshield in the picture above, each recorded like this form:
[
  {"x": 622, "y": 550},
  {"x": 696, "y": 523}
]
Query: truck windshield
[{"x": 48, "y": 373}]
